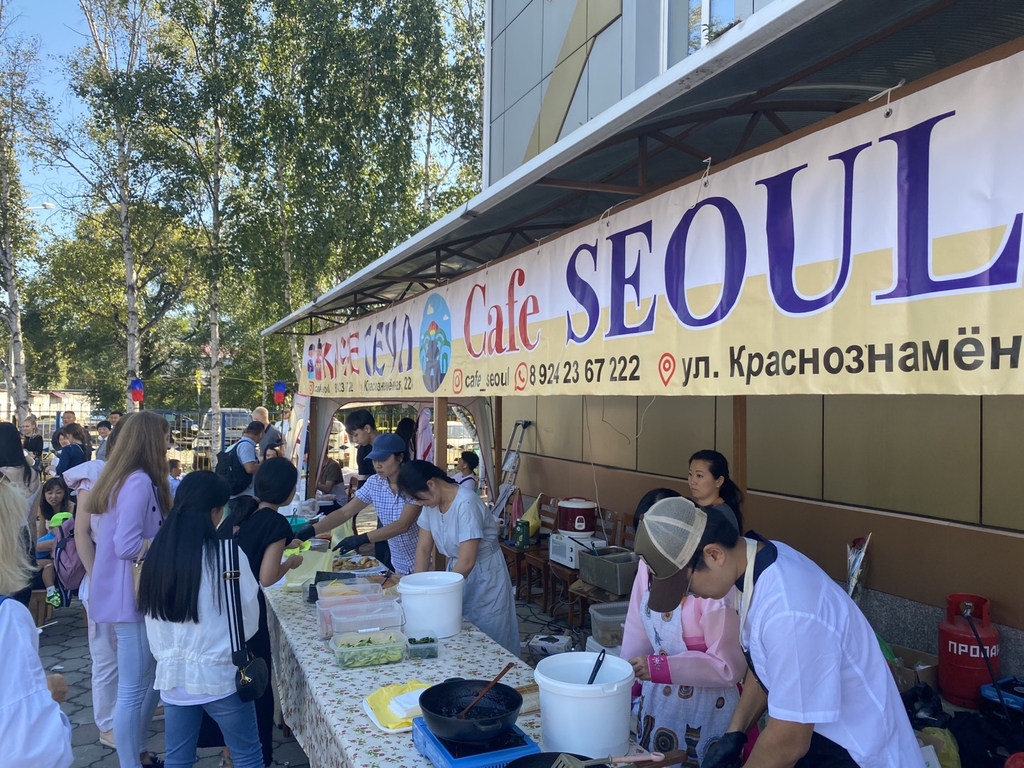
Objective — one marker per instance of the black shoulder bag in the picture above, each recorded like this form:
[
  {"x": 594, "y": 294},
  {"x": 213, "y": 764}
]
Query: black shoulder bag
[{"x": 252, "y": 677}]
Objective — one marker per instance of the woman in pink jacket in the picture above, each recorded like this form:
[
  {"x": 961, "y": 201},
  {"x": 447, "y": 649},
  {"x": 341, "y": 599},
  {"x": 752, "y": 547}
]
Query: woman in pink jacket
[
  {"x": 688, "y": 662},
  {"x": 127, "y": 505}
]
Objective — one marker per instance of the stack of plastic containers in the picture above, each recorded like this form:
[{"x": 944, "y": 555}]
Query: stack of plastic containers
[{"x": 363, "y": 627}]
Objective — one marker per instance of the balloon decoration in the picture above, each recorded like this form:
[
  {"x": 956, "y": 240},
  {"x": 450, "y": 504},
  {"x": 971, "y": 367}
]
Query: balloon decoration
[
  {"x": 136, "y": 390},
  {"x": 280, "y": 388}
]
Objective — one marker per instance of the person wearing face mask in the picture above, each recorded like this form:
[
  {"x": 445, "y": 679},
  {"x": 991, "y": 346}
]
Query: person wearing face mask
[
  {"x": 814, "y": 662},
  {"x": 395, "y": 511}
]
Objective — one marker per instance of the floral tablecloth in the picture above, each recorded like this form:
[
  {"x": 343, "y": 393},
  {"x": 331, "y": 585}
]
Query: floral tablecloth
[{"x": 322, "y": 703}]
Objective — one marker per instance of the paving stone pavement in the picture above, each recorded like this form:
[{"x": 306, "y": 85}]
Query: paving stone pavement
[{"x": 64, "y": 648}]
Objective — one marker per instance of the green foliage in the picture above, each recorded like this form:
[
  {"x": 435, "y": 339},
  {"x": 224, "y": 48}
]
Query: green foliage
[{"x": 270, "y": 148}]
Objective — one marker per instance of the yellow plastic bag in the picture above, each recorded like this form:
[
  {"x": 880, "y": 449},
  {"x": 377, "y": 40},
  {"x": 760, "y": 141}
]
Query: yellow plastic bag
[
  {"x": 380, "y": 700},
  {"x": 532, "y": 516},
  {"x": 945, "y": 746}
]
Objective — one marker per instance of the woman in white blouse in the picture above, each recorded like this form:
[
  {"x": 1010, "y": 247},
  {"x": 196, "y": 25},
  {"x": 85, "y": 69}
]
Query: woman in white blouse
[{"x": 182, "y": 596}]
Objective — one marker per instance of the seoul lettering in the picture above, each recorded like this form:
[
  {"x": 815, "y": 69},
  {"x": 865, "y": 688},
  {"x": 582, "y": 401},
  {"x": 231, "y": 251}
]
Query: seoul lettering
[{"x": 912, "y": 273}]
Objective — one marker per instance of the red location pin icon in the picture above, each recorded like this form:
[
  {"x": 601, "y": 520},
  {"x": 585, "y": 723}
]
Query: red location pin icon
[{"x": 666, "y": 368}]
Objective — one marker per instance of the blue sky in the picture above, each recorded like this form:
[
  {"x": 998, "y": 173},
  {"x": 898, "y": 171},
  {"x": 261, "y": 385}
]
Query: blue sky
[{"x": 59, "y": 27}]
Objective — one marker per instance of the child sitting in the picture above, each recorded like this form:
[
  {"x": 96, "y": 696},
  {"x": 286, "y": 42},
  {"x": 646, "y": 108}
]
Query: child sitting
[{"x": 53, "y": 507}]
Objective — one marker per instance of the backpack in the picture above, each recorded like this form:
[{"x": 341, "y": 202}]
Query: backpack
[
  {"x": 230, "y": 468},
  {"x": 67, "y": 565}
]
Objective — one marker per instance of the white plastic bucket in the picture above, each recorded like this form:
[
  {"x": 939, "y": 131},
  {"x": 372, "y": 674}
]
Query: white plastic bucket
[
  {"x": 586, "y": 719},
  {"x": 432, "y": 602}
]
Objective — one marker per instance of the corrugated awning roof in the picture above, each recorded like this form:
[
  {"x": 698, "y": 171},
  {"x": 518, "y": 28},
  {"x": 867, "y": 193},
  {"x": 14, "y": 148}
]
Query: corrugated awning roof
[{"x": 786, "y": 67}]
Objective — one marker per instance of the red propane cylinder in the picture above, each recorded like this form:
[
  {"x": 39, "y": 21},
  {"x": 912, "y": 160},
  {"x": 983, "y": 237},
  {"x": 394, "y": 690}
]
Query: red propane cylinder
[{"x": 962, "y": 669}]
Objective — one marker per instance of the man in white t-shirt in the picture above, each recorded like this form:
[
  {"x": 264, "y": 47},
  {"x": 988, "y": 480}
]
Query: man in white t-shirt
[{"x": 815, "y": 664}]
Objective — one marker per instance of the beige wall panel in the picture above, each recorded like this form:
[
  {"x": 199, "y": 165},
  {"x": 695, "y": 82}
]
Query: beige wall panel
[
  {"x": 560, "y": 426},
  {"x": 784, "y": 444},
  {"x": 723, "y": 427},
  {"x": 609, "y": 431},
  {"x": 1002, "y": 461},
  {"x": 673, "y": 429},
  {"x": 512, "y": 410},
  {"x": 918, "y": 454},
  {"x": 909, "y": 556}
]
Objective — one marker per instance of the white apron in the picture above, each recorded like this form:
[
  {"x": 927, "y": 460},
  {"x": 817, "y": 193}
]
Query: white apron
[
  {"x": 674, "y": 717},
  {"x": 488, "y": 600}
]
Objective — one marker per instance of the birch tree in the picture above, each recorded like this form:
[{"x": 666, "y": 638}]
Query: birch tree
[
  {"x": 201, "y": 53},
  {"x": 21, "y": 111},
  {"x": 109, "y": 151}
]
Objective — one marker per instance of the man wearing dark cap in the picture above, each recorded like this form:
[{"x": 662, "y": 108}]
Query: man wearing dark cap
[{"x": 814, "y": 661}]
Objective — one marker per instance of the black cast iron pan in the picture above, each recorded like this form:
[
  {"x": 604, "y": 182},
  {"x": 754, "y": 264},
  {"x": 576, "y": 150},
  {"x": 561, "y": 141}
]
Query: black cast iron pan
[{"x": 495, "y": 714}]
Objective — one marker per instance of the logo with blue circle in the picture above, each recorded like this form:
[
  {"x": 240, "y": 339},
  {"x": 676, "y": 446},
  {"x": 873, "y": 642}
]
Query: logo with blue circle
[{"x": 435, "y": 342}]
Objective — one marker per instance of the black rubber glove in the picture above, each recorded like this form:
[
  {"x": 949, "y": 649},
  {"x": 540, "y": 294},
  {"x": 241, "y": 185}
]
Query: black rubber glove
[
  {"x": 726, "y": 752},
  {"x": 306, "y": 533},
  {"x": 352, "y": 542}
]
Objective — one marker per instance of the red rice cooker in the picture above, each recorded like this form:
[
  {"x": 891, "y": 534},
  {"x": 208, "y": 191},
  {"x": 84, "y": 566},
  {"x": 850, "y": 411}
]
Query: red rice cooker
[{"x": 577, "y": 515}]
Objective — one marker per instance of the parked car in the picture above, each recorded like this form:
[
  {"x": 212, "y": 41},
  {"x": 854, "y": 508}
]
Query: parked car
[
  {"x": 183, "y": 428},
  {"x": 233, "y": 421}
]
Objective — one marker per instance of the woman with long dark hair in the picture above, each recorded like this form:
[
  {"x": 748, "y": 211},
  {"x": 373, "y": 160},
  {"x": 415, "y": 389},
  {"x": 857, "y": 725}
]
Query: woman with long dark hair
[
  {"x": 712, "y": 488},
  {"x": 53, "y": 500},
  {"x": 14, "y": 465},
  {"x": 261, "y": 532},
  {"x": 456, "y": 521},
  {"x": 127, "y": 505},
  {"x": 182, "y": 595}
]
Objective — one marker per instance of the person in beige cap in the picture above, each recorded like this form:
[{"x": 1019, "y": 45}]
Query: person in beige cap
[
  {"x": 814, "y": 662},
  {"x": 687, "y": 661}
]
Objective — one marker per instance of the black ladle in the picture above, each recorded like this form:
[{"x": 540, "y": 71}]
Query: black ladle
[{"x": 597, "y": 666}]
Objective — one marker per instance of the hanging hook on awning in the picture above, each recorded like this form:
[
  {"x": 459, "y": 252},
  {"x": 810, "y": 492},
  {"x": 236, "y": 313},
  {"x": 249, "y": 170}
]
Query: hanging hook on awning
[{"x": 888, "y": 96}]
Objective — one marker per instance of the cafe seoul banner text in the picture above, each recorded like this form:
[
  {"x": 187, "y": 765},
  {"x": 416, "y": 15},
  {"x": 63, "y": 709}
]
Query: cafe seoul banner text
[{"x": 878, "y": 255}]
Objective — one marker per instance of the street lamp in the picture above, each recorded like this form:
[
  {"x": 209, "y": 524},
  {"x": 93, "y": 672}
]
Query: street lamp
[{"x": 43, "y": 207}]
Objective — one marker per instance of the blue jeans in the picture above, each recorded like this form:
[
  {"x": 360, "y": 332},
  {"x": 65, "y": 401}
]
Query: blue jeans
[
  {"x": 136, "y": 698},
  {"x": 237, "y": 721}
]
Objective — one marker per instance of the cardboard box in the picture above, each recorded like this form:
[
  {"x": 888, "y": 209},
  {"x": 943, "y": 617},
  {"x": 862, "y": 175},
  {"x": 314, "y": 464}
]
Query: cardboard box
[
  {"x": 546, "y": 645},
  {"x": 918, "y": 667}
]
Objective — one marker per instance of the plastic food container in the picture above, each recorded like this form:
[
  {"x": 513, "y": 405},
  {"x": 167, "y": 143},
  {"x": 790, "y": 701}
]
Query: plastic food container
[
  {"x": 423, "y": 647},
  {"x": 368, "y": 649},
  {"x": 385, "y": 614},
  {"x": 356, "y": 603},
  {"x": 606, "y": 622},
  {"x": 346, "y": 588}
]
